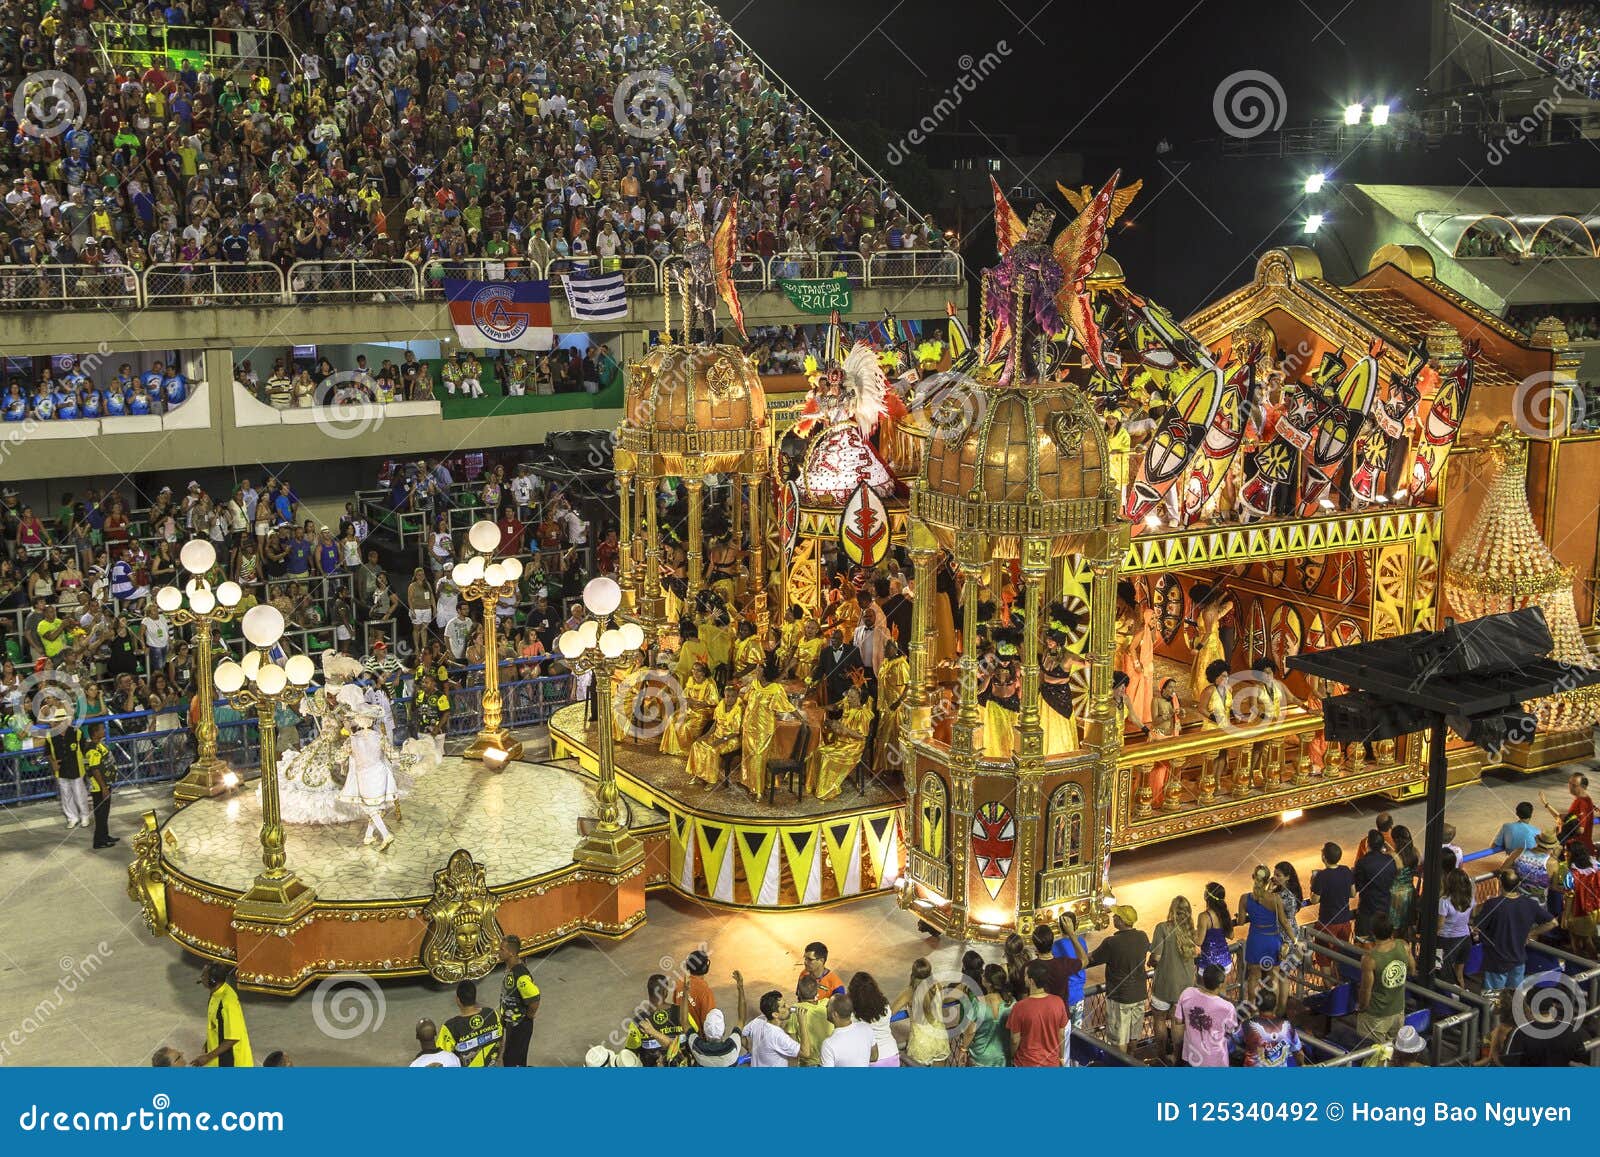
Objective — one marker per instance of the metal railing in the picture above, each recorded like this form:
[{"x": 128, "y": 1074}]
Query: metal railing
[
  {"x": 322, "y": 282},
  {"x": 69, "y": 286},
  {"x": 181, "y": 286},
  {"x": 911, "y": 267},
  {"x": 144, "y": 752},
  {"x": 122, "y": 41}
]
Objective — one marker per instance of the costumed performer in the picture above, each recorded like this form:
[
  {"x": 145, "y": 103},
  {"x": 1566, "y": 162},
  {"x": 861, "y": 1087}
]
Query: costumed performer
[
  {"x": 705, "y": 754},
  {"x": 691, "y": 653},
  {"x": 1211, "y": 604},
  {"x": 838, "y": 757},
  {"x": 748, "y": 655},
  {"x": 999, "y": 691},
  {"x": 764, "y": 701},
  {"x": 370, "y": 784},
  {"x": 699, "y": 702},
  {"x": 1056, "y": 720},
  {"x": 894, "y": 683}
]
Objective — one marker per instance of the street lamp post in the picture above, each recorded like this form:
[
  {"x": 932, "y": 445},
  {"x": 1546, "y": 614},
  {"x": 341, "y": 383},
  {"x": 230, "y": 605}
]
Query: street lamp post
[
  {"x": 199, "y": 606},
  {"x": 484, "y": 579},
  {"x": 592, "y": 647},
  {"x": 258, "y": 684}
]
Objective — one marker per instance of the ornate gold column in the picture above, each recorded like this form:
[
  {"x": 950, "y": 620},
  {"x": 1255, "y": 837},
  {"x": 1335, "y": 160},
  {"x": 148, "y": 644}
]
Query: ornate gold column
[
  {"x": 625, "y": 533},
  {"x": 916, "y": 723},
  {"x": 1110, "y": 545},
  {"x": 968, "y": 725},
  {"x": 696, "y": 488},
  {"x": 204, "y": 777},
  {"x": 758, "y": 549},
  {"x": 652, "y": 609},
  {"x": 1035, "y": 570}
]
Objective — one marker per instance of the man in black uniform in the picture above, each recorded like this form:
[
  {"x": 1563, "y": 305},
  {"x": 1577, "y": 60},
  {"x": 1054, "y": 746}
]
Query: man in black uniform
[
  {"x": 473, "y": 1034},
  {"x": 66, "y": 761},
  {"x": 97, "y": 770},
  {"x": 519, "y": 1003}
]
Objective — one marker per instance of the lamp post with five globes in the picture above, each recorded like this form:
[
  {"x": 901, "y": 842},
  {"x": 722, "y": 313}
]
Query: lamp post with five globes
[
  {"x": 592, "y": 647},
  {"x": 198, "y": 605},
  {"x": 484, "y": 579},
  {"x": 259, "y": 684}
]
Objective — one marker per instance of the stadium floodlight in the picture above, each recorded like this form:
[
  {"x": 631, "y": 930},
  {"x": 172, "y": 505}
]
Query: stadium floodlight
[
  {"x": 1380, "y": 115},
  {"x": 1352, "y": 113},
  {"x": 1315, "y": 182},
  {"x": 1313, "y": 223}
]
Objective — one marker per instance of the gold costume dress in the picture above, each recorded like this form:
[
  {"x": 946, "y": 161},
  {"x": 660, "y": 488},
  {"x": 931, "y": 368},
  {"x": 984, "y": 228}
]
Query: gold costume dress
[
  {"x": 763, "y": 702},
  {"x": 1056, "y": 721},
  {"x": 705, "y": 754},
  {"x": 788, "y": 638},
  {"x": 719, "y": 643},
  {"x": 626, "y": 684},
  {"x": 893, "y": 678},
  {"x": 837, "y": 758},
  {"x": 748, "y": 656},
  {"x": 1000, "y": 719},
  {"x": 1207, "y": 650},
  {"x": 700, "y": 699},
  {"x": 806, "y": 654},
  {"x": 693, "y": 651}
]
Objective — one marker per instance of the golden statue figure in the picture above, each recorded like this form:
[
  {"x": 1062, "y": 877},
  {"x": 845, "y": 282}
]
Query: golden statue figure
[
  {"x": 463, "y": 938},
  {"x": 146, "y": 886}
]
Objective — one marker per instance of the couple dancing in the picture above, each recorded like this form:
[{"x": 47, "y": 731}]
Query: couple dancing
[{"x": 351, "y": 770}]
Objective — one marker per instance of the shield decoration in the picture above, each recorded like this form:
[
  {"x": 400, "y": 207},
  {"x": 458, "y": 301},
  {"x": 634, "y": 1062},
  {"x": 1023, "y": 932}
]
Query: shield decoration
[
  {"x": 789, "y": 514},
  {"x": 1174, "y": 442},
  {"x": 1353, "y": 399},
  {"x": 994, "y": 844},
  {"x": 864, "y": 528}
]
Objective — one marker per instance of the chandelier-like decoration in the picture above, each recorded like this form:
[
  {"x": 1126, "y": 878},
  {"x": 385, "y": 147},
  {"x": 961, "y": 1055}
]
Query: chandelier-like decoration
[{"x": 1503, "y": 564}]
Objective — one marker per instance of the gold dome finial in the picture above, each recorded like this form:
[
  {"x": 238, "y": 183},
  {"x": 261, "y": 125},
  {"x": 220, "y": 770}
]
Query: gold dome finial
[
  {"x": 1444, "y": 341},
  {"x": 1549, "y": 333}
]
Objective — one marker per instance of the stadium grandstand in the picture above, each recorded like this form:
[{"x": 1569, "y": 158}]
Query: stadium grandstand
[{"x": 181, "y": 181}]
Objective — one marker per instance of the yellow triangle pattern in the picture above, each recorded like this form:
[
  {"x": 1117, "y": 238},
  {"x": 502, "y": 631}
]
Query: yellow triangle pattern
[
  {"x": 755, "y": 862},
  {"x": 840, "y": 835}
]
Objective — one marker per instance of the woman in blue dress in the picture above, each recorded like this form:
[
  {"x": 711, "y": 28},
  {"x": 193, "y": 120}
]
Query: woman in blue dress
[
  {"x": 1215, "y": 925},
  {"x": 1262, "y": 909}
]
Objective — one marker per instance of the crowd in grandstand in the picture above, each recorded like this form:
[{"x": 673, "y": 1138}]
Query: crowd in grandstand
[
  {"x": 293, "y": 383},
  {"x": 44, "y": 396},
  {"x": 1582, "y": 321},
  {"x": 76, "y": 587},
  {"x": 466, "y": 131},
  {"x": 1565, "y": 35}
]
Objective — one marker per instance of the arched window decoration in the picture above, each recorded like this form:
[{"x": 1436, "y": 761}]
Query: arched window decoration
[
  {"x": 1064, "y": 846},
  {"x": 932, "y": 812}
]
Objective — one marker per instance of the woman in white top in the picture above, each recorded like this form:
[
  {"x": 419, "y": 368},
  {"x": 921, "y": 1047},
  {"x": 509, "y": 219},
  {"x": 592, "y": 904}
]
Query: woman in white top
[
  {"x": 446, "y": 597},
  {"x": 872, "y": 1009},
  {"x": 441, "y": 547},
  {"x": 1455, "y": 923}
]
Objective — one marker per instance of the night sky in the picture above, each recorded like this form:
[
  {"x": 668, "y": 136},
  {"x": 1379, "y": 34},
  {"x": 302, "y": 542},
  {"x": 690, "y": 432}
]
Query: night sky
[{"x": 1108, "y": 81}]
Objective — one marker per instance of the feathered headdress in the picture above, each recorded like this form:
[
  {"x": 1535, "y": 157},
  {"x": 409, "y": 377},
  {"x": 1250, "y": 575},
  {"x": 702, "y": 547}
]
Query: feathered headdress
[
  {"x": 1077, "y": 249},
  {"x": 863, "y": 378}
]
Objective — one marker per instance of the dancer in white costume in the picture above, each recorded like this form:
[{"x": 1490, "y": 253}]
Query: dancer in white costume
[
  {"x": 314, "y": 781},
  {"x": 370, "y": 784}
]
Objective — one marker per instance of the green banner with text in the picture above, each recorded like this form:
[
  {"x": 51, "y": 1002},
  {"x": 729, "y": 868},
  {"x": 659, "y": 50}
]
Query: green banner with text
[{"x": 823, "y": 295}]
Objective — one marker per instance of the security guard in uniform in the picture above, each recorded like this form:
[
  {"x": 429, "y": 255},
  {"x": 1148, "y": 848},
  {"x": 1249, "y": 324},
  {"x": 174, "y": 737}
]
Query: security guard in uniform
[
  {"x": 97, "y": 770},
  {"x": 474, "y": 1033},
  {"x": 519, "y": 1004},
  {"x": 227, "y": 1038}
]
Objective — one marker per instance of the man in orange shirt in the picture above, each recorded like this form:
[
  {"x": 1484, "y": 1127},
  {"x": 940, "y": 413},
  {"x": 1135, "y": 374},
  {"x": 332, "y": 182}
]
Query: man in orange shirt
[
  {"x": 700, "y": 1001},
  {"x": 816, "y": 967}
]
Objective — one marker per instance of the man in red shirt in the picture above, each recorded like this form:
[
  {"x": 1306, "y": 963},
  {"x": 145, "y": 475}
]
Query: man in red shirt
[
  {"x": 1038, "y": 1023},
  {"x": 1580, "y": 810}
]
